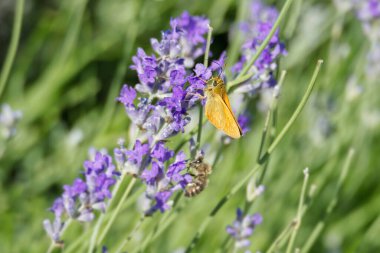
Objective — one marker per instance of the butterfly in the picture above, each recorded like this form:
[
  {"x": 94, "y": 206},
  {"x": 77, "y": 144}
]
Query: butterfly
[{"x": 218, "y": 109}]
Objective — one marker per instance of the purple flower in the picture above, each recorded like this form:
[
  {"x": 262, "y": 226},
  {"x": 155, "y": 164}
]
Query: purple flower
[
  {"x": 136, "y": 155},
  {"x": 80, "y": 199},
  {"x": 256, "y": 28},
  {"x": 127, "y": 95},
  {"x": 158, "y": 105},
  {"x": 54, "y": 229},
  {"x": 243, "y": 227},
  {"x": 162, "y": 201},
  {"x": 153, "y": 175},
  {"x": 177, "y": 167},
  {"x": 161, "y": 153},
  {"x": 244, "y": 121},
  {"x": 367, "y": 10},
  {"x": 162, "y": 95}
]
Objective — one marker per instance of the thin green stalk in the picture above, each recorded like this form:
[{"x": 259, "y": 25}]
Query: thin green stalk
[
  {"x": 286, "y": 232},
  {"x": 101, "y": 218},
  {"x": 83, "y": 237},
  {"x": 134, "y": 230},
  {"x": 160, "y": 227},
  {"x": 205, "y": 63},
  {"x": 110, "y": 104},
  {"x": 293, "y": 19},
  {"x": 267, "y": 39},
  {"x": 296, "y": 112},
  {"x": 273, "y": 114},
  {"x": 116, "y": 212},
  {"x": 11, "y": 53},
  {"x": 282, "y": 236},
  {"x": 321, "y": 224},
  {"x": 257, "y": 166},
  {"x": 234, "y": 46},
  {"x": 272, "y": 107},
  {"x": 298, "y": 220},
  {"x": 234, "y": 83}
]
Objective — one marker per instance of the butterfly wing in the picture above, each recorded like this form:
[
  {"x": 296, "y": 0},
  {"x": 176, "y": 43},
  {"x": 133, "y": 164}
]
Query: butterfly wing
[{"x": 220, "y": 115}]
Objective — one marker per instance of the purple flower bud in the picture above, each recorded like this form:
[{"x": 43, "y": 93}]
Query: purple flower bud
[
  {"x": 244, "y": 121},
  {"x": 127, "y": 95},
  {"x": 53, "y": 229},
  {"x": 256, "y": 28},
  {"x": 243, "y": 227}
]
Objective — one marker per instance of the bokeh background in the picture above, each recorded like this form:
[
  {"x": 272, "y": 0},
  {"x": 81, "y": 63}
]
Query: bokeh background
[{"x": 73, "y": 57}]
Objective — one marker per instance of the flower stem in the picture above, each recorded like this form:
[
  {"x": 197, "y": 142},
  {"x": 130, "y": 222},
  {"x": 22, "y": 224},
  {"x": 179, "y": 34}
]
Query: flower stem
[
  {"x": 135, "y": 229},
  {"x": 299, "y": 212},
  {"x": 267, "y": 39},
  {"x": 16, "y": 31},
  {"x": 273, "y": 115},
  {"x": 318, "y": 229},
  {"x": 101, "y": 218},
  {"x": 286, "y": 232},
  {"x": 257, "y": 166},
  {"x": 205, "y": 63},
  {"x": 116, "y": 212},
  {"x": 73, "y": 245}
]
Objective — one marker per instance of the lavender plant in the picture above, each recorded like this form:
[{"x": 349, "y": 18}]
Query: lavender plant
[
  {"x": 242, "y": 228},
  {"x": 158, "y": 106},
  {"x": 84, "y": 196},
  {"x": 64, "y": 65}
]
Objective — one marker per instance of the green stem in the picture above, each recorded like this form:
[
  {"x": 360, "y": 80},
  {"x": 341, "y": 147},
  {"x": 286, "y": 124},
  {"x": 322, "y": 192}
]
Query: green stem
[
  {"x": 284, "y": 234},
  {"x": 293, "y": 19},
  {"x": 16, "y": 31},
  {"x": 273, "y": 114},
  {"x": 101, "y": 218},
  {"x": 267, "y": 39},
  {"x": 110, "y": 104},
  {"x": 273, "y": 106},
  {"x": 73, "y": 245},
  {"x": 205, "y": 63},
  {"x": 318, "y": 229},
  {"x": 299, "y": 212},
  {"x": 116, "y": 212},
  {"x": 234, "y": 83},
  {"x": 257, "y": 166},
  {"x": 296, "y": 112},
  {"x": 135, "y": 229}
]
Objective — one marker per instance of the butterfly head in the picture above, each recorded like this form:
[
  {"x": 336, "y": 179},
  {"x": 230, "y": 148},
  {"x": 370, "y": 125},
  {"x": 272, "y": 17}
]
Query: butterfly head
[{"x": 215, "y": 84}]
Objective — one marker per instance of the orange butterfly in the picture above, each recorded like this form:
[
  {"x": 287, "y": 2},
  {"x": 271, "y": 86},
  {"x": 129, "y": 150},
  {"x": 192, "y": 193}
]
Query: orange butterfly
[{"x": 218, "y": 109}]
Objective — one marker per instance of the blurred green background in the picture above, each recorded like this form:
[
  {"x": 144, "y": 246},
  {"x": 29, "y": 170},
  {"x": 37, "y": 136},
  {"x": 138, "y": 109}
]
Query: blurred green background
[{"x": 73, "y": 57}]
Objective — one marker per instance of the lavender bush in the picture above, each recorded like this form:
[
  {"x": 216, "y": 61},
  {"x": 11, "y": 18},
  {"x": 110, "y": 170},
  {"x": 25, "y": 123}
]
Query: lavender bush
[{"x": 137, "y": 95}]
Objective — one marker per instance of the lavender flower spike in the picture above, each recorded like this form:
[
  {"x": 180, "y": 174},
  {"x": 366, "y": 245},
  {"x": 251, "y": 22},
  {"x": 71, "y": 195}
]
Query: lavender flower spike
[
  {"x": 257, "y": 27},
  {"x": 80, "y": 199},
  {"x": 158, "y": 106},
  {"x": 243, "y": 227}
]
